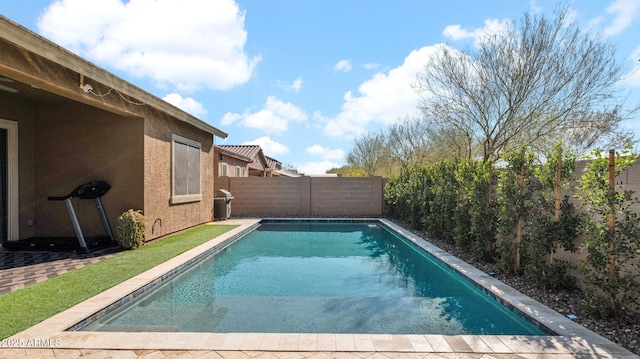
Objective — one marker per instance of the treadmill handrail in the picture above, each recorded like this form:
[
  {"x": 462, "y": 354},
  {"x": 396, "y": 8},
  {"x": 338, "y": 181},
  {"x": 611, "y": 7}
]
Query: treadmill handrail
[{"x": 88, "y": 190}]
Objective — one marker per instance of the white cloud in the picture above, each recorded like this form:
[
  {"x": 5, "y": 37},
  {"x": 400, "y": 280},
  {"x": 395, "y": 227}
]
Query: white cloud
[
  {"x": 372, "y": 66},
  {"x": 229, "y": 118},
  {"x": 382, "y": 99},
  {"x": 269, "y": 147},
  {"x": 183, "y": 44},
  {"x": 625, "y": 11},
  {"x": 572, "y": 16},
  {"x": 296, "y": 86},
  {"x": 325, "y": 153},
  {"x": 316, "y": 168},
  {"x": 595, "y": 22},
  {"x": 535, "y": 8},
  {"x": 343, "y": 65},
  {"x": 632, "y": 79},
  {"x": 274, "y": 117},
  {"x": 186, "y": 104},
  {"x": 491, "y": 26}
]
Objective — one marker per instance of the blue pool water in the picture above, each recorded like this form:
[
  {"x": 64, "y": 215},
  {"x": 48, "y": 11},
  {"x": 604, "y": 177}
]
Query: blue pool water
[{"x": 317, "y": 277}]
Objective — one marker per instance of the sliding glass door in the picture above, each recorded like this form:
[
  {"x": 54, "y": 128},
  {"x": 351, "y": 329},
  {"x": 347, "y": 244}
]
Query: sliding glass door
[
  {"x": 8, "y": 181},
  {"x": 3, "y": 184}
]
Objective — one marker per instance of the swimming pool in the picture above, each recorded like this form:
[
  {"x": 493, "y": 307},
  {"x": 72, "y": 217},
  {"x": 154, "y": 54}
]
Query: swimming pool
[{"x": 318, "y": 277}]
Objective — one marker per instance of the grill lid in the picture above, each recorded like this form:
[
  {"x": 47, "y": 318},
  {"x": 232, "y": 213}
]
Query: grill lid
[{"x": 223, "y": 193}]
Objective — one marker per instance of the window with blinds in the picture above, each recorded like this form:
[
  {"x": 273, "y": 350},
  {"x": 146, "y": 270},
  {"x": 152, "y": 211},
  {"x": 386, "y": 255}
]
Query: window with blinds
[{"x": 186, "y": 170}]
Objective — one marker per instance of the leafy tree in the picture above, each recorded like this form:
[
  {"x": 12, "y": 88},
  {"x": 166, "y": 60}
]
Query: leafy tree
[{"x": 532, "y": 82}]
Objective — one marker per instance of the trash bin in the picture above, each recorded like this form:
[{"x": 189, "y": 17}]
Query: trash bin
[{"x": 222, "y": 204}]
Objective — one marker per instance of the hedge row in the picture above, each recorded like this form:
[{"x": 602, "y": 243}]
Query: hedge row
[{"x": 511, "y": 212}]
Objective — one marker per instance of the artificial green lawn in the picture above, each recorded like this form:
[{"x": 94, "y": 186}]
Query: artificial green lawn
[{"x": 26, "y": 307}]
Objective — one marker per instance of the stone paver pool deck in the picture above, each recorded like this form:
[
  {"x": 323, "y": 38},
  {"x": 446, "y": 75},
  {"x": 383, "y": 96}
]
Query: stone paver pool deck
[{"x": 50, "y": 338}]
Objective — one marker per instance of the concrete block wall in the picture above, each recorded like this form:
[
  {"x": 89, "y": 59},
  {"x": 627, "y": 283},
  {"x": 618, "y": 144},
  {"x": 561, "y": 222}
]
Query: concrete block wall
[
  {"x": 268, "y": 196},
  {"x": 346, "y": 197},
  {"x": 304, "y": 196}
]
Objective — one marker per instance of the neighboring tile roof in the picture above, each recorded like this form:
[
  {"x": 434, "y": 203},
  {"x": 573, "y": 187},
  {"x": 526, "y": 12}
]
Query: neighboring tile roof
[
  {"x": 232, "y": 153},
  {"x": 273, "y": 163},
  {"x": 289, "y": 173},
  {"x": 256, "y": 158},
  {"x": 248, "y": 151}
]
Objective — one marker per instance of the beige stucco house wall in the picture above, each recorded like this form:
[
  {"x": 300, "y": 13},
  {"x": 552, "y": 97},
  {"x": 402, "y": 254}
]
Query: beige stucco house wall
[
  {"x": 229, "y": 163},
  {"x": 60, "y": 136}
]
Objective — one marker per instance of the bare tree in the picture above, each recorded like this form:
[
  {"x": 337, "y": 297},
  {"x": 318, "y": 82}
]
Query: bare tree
[
  {"x": 408, "y": 142},
  {"x": 447, "y": 141},
  {"x": 592, "y": 130},
  {"x": 544, "y": 79},
  {"x": 413, "y": 141},
  {"x": 369, "y": 153}
]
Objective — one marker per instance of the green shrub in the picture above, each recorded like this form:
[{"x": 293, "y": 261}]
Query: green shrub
[
  {"x": 546, "y": 237},
  {"x": 515, "y": 205},
  {"x": 553, "y": 224},
  {"x": 612, "y": 236},
  {"x": 130, "y": 229}
]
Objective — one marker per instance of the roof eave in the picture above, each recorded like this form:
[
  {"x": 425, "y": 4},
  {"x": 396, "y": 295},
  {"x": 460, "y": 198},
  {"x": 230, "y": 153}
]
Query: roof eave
[
  {"x": 40, "y": 46},
  {"x": 234, "y": 155}
]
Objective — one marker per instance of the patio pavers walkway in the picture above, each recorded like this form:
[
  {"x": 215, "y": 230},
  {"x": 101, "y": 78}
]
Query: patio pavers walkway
[
  {"x": 204, "y": 354},
  {"x": 19, "y": 269}
]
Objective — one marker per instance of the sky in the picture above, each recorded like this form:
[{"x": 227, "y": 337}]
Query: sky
[{"x": 300, "y": 78}]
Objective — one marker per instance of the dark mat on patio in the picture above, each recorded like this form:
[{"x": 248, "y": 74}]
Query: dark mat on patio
[{"x": 57, "y": 244}]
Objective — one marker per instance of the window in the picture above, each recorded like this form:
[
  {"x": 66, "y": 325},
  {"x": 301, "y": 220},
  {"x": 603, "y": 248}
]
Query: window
[
  {"x": 237, "y": 171},
  {"x": 186, "y": 170},
  {"x": 224, "y": 169}
]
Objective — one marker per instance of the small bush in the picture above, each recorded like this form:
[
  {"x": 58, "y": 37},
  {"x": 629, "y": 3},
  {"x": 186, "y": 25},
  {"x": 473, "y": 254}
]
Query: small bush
[
  {"x": 599, "y": 307},
  {"x": 130, "y": 229}
]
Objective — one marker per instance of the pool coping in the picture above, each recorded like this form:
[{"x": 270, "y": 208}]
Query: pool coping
[{"x": 572, "y": 338}]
